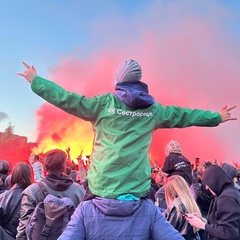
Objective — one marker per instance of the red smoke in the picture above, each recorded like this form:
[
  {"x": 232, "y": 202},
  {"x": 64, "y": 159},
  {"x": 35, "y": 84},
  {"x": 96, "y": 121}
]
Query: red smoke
[{"x": 188, "y": 62}]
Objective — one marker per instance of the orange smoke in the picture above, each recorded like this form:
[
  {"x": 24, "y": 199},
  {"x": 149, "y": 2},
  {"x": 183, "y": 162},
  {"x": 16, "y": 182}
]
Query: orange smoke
[{"x": 58, "y": 129}]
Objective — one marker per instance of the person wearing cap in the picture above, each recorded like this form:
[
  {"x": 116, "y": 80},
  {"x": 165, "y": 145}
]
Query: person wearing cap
[
  {"x": 123, "y": 123},
  {"x": 175, "y": 164}
]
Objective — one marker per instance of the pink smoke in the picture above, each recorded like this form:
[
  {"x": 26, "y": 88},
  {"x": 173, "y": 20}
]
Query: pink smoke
[{"x": 188, "y": 62}]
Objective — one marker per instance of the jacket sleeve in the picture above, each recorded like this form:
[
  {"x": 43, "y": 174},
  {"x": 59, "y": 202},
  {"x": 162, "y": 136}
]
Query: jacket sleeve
[
  {"x": 197, "y": 186},
  {"x": 160, "y": 196},
  {"x": 30, "y": 197},
  {"x": 162, "y": 229},
  {"x": 75, "y": 228},
  {"x": 178, "y": 117},
  {"x": 27, "y": 207},
  {"x": 72, "y": 103},
  {"x": 227, "y": 215},
  {"x": 3, "y": 206}
]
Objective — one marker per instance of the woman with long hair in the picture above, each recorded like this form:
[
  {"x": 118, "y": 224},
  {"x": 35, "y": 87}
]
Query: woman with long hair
[
  {"x": 179, "y": 202},
  {"x": 10, "y": 201}
]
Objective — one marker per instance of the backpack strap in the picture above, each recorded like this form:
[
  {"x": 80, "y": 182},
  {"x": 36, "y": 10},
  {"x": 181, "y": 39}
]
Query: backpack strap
[
  {"x": 46, "y": 227},
  {"x": 43, "y": 189},
  {"x": 45, "y": 232}
]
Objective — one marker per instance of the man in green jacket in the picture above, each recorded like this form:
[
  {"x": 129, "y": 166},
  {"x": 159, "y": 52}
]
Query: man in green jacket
[{"x": 123, "y": 123}]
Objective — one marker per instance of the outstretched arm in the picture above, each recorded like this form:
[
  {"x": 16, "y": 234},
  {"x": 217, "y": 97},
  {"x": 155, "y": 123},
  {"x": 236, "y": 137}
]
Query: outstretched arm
[
  {"x": 68, "y": 160},
  {"x": 225, "y": 113},
  {"x": 29, "y": 73}
]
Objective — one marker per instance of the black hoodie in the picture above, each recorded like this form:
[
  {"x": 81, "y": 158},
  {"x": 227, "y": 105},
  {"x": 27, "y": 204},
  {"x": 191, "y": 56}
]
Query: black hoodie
[
  {"x": 58, "y": 181},
  {"x": 224, "y": 220}
]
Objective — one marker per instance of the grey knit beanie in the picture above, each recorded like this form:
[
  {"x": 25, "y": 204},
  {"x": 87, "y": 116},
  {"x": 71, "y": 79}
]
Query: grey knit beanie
[{"x": 129, "y": 70}]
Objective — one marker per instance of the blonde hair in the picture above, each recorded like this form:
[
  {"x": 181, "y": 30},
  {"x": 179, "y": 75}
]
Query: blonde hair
[{"x": 177, "y": 193}]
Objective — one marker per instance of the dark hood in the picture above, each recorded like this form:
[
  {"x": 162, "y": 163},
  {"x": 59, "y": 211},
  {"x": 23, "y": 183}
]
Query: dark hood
[
  {"x": 231, "y": 170},
  {"x": 134, "y": 94},
  {"x": 58, "y": 181},
  {"x": 114, "y": 207},
  {"x": 217, "y": 179}
]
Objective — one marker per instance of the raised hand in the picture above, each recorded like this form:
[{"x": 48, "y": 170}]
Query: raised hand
[
  {"x": 68, "y": 150},
  {"x": 225, "y": 113},
  {"x": 29, "y": 73}
]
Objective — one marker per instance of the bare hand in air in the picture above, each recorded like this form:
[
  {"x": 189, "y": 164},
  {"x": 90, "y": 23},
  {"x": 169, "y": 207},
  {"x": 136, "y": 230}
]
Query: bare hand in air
[
  {"x": 225, "y": 113},
  {"x": 29, "y": 73}
]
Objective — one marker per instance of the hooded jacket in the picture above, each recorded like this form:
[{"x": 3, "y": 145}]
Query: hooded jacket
[
  {"x": 224, "y": 219},
  {"x": 231, "y": 170},
  {"x": 233, "y": 173},
  {"x": 58, "y": 185},
  {"x": 123, "y": 125},
  {"x": 102, "y": 218},
  {"x": 204, "y": 198}
]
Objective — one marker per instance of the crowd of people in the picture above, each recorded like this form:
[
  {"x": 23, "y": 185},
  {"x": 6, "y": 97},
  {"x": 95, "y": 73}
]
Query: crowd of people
[
  {"x": 193, "y": 203},
  {"x": 115, "y": 198},
  {"x": 199, "y": 192}
]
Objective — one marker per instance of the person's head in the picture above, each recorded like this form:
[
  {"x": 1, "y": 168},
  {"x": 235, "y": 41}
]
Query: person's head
[
  {"x": 21, "y": 175},
  {"x": 4, "y": 167},
  {"x": 159, "y": 178},
  {"x": 68, "y": 170},
  {"x": 177, "y": 192},
  {"x": 55, "y": 161},
  {"x": 231, "y": 170},
  {"x": 8, "y": 181},
  {"x": 207, "y": 164},
  {"x": 73, "y": 166},
  {"x": 172, "y": 147},
  {"x": 38, "y": 158},
  {"x": 216, "y": 179},
  {"x": 129, "y": 70}
]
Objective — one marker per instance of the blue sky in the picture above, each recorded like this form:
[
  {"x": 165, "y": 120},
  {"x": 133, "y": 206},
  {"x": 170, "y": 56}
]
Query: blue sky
[
  {"x": 189, "y": 49},
  {"x": 40, "y": 32}
]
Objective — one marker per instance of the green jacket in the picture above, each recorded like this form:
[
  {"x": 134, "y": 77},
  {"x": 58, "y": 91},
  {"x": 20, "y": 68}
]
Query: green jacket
[{"x": 120, "y": 161}]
